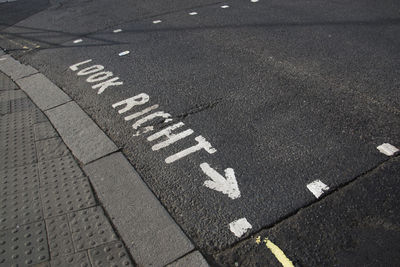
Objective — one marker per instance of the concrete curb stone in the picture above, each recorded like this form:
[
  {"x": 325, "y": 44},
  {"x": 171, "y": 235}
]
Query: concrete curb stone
[
  {"x": 42, "y": 91},
  {"x": 14, "y": 69},
  {"x": 148, "y": 230},
  {"x": 83, "y": 137}
]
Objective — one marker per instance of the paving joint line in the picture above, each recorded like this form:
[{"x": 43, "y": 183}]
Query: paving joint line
[
  {"x": 119, "y": 150},
  {"x": 107, "y": 215},
  {"x": 54, "y": 108},
  {"x": 23, "y": 77}
]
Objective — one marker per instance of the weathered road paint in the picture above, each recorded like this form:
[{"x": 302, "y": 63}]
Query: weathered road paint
[
  {"x": 227, "y": 186},
  {"x": 141, "y": 113},
  {"x": 77, "y": 41},
  {"x": 240, "y": 227},
  {"x": 129, "y": 103},
  {"x": 75, "y": 66},
  {"x": 317, "y": 188},
  {"x": 170, "y": 137},
  {"x": 95, "y": 77},
  {"x": 142, "y": 123},
  {"x": 388, "y": 149},
  {"x": 201, "y": 144},
  {"x": 278, "y": 253}
]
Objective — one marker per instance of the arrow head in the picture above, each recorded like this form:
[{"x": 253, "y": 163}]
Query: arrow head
[{"x": 226, "y": 185}]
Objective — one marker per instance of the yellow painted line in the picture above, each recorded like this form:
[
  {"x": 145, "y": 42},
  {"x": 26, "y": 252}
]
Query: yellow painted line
[
  {"x": 31, "y": 43},
  {"x": 280, "y": 256},
  {"x": 12, "y": 41}
]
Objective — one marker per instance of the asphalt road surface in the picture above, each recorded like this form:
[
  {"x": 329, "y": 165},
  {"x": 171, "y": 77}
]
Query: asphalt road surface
[{"x": 273, "y": 109}]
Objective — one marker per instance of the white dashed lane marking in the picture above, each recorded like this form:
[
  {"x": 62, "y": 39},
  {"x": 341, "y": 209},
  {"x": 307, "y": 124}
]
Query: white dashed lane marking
[
  {"x": 240, "y": 227},
  {"x": 117, "y": 30},
  {"x": 78, "y": 41},
  {"x": 317, "y": 188},
  {"x": 156, "y": 21},
  {"x": 225, "y": 6},
  {"x": 123, "y": 53},
  {"x": 192, "y": 13},
  {"x": 387, "y": 149}
]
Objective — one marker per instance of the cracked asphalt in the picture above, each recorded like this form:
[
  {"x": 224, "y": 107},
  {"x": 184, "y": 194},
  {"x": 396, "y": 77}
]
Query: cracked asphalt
[{"x": 287, "y": 92}]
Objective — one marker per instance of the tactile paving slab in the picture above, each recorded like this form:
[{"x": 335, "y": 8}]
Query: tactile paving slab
[
  {"x": 22, "y": 104},
  {"x": 6, "y": 83},
  {"x": 5, "y": 107},
  {"x": 26, "y": 245},
  {"x": 17, "y": 138},
  {"x": 59, "y": 170},
  {"x": 20, "y": 155},
  {"x": 61, "y": 198},
  {"x": 78, "y": 259},
  {"x": 51, "y": 148},
  {"x": 17, "y": 120},
  {"x": 59, "y": 234},
  {"x": 18, "y": 179},
  {"x": 90, "y": 228},
  {"x": 20, "y": 209},
  {"x": 44, "y": 130},
  {"x": 12, "y": 95},
  {"x": 110, "y": 254}
]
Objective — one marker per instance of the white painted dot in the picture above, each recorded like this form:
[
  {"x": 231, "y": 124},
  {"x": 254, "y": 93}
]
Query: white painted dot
[
  {"x": 156, "y": 21},
  {"x": 388, "y": 149},
  {"x": 317, "y": 188},
  {"x": 254, "y": 1},
  {"x": 225, "y": 6},
  {"x": 123, "y": 53},
  {"x": 192, "y": 13},
  {"x": 117, "y": 30},
  {"x": 77, "y": 41},
  {"x": 239, "y": 227}
]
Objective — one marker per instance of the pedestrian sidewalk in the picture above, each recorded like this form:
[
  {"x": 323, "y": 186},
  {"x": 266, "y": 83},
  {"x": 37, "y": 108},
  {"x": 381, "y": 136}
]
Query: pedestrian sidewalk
[
  {"x": 49, "y": 213},
  {"x": 68, "y": 196}
]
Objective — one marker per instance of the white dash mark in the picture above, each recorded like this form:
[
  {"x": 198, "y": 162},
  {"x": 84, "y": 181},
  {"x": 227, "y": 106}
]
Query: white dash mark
[
  {"x": 254, "y": 1},
  {"x": 239, "y": 227},
  {"x": 117, "y": 30},
  {"x": 387, "y": 149},
  {"x": 123, "y": 53},
  {"x": 156, "y": 21},
  {"x": 225, "y": 6},
  {"x": 317, "y": 188},
  {"x": 192, "y": 13},
  {"x": 77, "y": 41}
]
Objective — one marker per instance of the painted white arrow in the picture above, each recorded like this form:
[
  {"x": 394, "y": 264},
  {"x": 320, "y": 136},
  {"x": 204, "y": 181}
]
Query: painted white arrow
[{"x": 227, "y": 186}]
